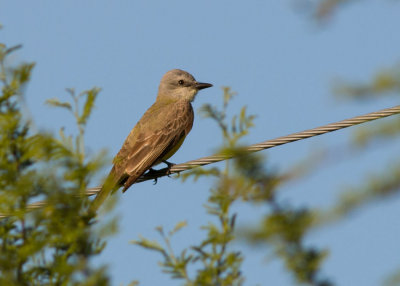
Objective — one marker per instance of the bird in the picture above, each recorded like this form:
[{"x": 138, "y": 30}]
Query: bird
[{"x": 157, "y": 135}]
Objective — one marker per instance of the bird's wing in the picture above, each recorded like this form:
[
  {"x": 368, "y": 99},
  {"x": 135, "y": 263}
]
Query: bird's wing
[{"x": 159, "y": 131}]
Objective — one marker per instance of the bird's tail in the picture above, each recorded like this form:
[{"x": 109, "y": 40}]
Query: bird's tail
[{"x": 110, "y": 186}]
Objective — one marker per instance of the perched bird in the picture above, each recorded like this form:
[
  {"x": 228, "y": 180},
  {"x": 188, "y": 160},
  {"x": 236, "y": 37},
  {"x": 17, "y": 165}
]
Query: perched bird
[{"x": 158, "y": 134}]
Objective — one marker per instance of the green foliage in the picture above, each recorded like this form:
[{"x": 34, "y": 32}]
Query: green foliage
[
  {"x": 240, "y": 125},
  {"x": 81, "y": 117},
  {"x": 375, "y": 187},
  {"x": 216, "y": 265},
  {"x": 378, "y": 184},
  {"x": 285, "y": 229},
  {"x": 393, "y": 280},
  {"x": 53, "y": 244},
  {"x": 385, "y": 82}
]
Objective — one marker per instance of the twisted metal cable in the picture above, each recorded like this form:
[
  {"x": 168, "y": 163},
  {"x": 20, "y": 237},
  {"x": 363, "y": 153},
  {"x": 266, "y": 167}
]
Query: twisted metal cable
[
  {"x": 252, "y": 148},
  {"x": 275, "y": 142}
]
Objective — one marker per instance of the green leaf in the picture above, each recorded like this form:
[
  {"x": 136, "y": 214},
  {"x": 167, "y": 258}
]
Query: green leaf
[
  {"x": 89, "y": 104},
  {"x": 57, "y": 103},
  {"x": 178, "y": 227},
  {"x": 146, "y": 243}
]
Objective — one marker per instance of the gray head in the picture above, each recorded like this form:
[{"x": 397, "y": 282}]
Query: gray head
[{"x": 178, "y": 84}]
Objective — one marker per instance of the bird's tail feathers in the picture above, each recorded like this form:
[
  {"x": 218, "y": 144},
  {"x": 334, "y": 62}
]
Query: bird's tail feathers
[{"x": 110, "y": 186}]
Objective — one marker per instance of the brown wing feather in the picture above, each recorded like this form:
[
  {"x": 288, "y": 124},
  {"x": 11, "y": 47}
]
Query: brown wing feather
[
  {"x": 158, "y": 131},
  {"x": 172, "y": 122}
]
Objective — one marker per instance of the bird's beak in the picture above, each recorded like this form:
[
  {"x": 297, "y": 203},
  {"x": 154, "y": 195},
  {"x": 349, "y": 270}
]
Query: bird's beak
[{"x": 202, "y": 85}]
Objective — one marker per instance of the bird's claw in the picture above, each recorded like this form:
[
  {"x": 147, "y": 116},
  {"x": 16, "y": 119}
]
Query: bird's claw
[{"x": 151, "y": 170}]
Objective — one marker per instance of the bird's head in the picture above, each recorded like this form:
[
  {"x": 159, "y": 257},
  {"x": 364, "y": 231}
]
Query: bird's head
[{"x": 178, "y": 84}]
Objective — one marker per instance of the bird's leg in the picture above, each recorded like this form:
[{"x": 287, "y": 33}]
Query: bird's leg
[
  {"x": 151, "y": 170},
  {"x": 169, "y": 165}
]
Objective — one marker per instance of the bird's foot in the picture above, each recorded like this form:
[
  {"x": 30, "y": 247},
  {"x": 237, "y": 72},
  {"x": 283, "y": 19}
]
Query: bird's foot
[
  {"x": 169, "y": 166},
  {"x": 149, "y": 172}
]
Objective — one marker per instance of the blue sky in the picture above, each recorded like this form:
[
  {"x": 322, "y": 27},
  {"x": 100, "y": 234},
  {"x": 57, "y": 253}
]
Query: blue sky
[{"x": 281, "y": 64}]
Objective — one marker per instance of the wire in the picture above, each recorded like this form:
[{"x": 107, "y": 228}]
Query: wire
[
  {"x": 275, "y": 142},
  {"x": 252, "y": 148}
]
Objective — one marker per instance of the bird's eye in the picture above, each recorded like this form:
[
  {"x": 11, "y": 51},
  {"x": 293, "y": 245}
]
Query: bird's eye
[{"x": 181, "y": 82}]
